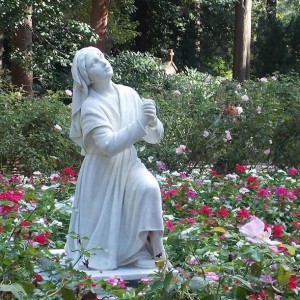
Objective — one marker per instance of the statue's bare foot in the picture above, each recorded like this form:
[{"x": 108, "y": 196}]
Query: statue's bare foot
[{"x": 145, "y": 263}]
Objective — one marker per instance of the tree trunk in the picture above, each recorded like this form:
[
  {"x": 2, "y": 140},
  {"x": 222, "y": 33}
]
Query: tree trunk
[
  {"x": 242, "y": 40},
  {"x": 1, "y": 49},
  {"x": 271, "y": 9},
  {"x": 22, "y": 76},
  {"x": 99, "y": 19}
]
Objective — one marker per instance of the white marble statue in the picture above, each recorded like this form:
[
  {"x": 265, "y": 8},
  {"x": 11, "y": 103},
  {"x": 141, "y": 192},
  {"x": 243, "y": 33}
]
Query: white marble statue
[{"x": 117, "y": 203}]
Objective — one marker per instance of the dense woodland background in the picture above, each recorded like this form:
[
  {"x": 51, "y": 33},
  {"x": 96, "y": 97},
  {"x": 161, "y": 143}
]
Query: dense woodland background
[
  {"x": 238, "y": 72},
  {"x": 221, "y": 37}
]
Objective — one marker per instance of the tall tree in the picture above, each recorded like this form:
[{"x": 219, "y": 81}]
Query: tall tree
[
  {"x": 1, "y": 49},
  {"x": 99, "y": 21},
  {"x": 242, "y": 40},
  {"x": 22, "y": 75}
]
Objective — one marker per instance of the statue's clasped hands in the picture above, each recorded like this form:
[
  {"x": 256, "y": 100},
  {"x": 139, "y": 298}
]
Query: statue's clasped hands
[{"x": 148, "y": 116}]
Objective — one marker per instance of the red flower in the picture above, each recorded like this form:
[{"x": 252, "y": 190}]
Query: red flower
[
  {"x": 243, "y": 213},
  {"x": 41, "y": 238},
  {"x": 240, "y": 168},
  {"x": 277, "y": 230},
  {"x": 69, "y": 171},
  {"x": 36, "y": 278},
  {"x": 252, "y": 182},
  {"x": 222, "y": 212},
  {"x": 1, "y": 228},
  {"x": 293, "y": 280},
  {"x": 213, "y": 173},
  {"x": 205, "y": 210},
  {"x": 24, "y": 224},
  {"x": 293, "y": 171}
]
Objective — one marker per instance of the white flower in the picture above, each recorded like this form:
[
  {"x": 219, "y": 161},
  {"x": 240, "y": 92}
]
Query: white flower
[
  {"x": 205, "y": 133},
  {"x": 142, "y": 149},
  {"x": 28, "y": 186},
  {"x": 150, "y": 159},
  {"x": 228, "y": 135},
  {"x": 239, "y": 110},
  {"x": 264, "y": 79},
  {"x": 243, "y": 190},
  {"x": 238, "y": 87},
  {"x": 177, "y": 93},
  {"x": 37, "y": 173},
  {"x": 68, "y": 92},
  {"x": 245, "y": 98},
  {"x": 258, "y": 109},
  {"x": 57, "y": 127}
]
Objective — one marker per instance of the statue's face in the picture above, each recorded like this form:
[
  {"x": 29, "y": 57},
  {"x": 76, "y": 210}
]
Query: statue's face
[{"x": 98, "y": 67}]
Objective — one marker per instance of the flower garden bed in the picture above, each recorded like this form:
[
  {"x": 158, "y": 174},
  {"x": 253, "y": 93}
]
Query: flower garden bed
[{"x": 234, "y": 236}]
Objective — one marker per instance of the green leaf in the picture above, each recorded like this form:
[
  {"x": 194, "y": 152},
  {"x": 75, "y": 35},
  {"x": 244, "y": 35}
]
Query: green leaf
[
  {"x": 283, "y": 274},
  {"x": 256, "y": 255},
  {"x": 247, "y": 284},
  {"x": 256, "y": 270},
  {"x": 16, "y": 289},
  {"x": 197, "y": 283},
  {"x": 219, "y": 229},
  {"x": 291, "y": 250}
]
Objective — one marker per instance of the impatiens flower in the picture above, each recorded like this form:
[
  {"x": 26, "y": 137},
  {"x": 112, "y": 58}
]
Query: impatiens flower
[
  {"x": 222, "y": 212},
  {"x": 180, "y": 149},
  {"x": 36, "y": 278},
  {"x": 267, "y": 278},
  {"x": 263, "y": 193},
  {"x": 169, "y": 225},
  {"x": 211, "y": 276},
  {"x": 69, "y": 171},
  {"x": 240, "y": 168},
  {"x": 277, "y": 230},
  {"x": 239, "y": 110},
  {"x": 116, "y": 281},
  {"x": 243, "y": 213},
  {"x": 254, "y": 232},
  {"x": 267, "y": 152},
  {"x": 161, "y": 166},
  {"x": 213, "y": 172},
  {"x": 205, "y": 210},
  {"x": 191, "y": 194},
  {"x": 193, "y": 261},
  {"x": 293, "y": 281},
  {"x": 293, "y": 171},
  {"x": 41, "y": 238},
  {"x": 252, "y": 182}
]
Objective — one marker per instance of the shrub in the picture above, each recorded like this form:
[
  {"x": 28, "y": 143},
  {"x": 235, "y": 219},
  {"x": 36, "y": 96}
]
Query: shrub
[{"x": 34, "y": 134}]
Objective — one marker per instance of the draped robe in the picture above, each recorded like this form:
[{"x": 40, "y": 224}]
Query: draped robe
[{"x": 117, "y": 200}]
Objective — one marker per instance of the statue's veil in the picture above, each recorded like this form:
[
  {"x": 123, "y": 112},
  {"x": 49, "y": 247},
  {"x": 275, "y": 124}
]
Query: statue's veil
[{"x": 80, "y": 91}]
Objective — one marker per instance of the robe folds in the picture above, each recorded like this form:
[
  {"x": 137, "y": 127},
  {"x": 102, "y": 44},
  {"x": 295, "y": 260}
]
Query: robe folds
[{"x": 117, "y": 200}]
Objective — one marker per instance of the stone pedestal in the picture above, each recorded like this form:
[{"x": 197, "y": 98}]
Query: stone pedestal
[{"x": 131, "y": 273}]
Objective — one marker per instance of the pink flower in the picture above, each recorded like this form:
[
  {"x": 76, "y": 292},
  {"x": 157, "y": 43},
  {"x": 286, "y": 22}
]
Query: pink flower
[
  {"x": 180, "y": 149},
  {"x": 293, "y": 171},
  {"x": 169, "y": 225},
  {"x": 191, "y": 194},
  {"x": 258, "y": 109},
  {"x": 263, "y": 193},
  {"x": 267, "y": 152},
  {"x": 177, "y": 93},
  {"x": 212, "y": 276},
  {"x": 160, "y": 165},
  {"x": 254, "y": 232}
]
